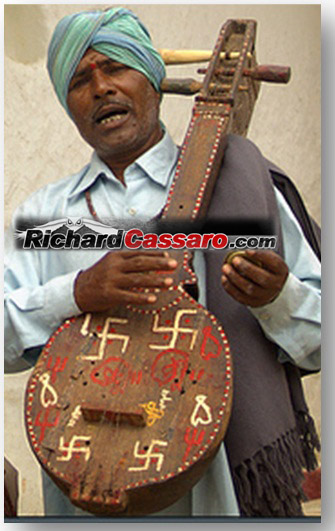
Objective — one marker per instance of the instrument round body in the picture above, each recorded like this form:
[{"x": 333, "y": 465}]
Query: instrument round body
[{"x": 126, "y": 409}]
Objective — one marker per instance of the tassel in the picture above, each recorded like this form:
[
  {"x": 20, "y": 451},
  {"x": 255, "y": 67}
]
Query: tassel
[
  {"x": 309, "y": 439},
  {"x": 269, "y": 484}
]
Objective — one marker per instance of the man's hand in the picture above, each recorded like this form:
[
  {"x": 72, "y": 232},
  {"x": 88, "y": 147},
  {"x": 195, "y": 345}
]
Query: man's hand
[
  {"x": 111, "y": 281},
  {"x": 251, "y": 284}
]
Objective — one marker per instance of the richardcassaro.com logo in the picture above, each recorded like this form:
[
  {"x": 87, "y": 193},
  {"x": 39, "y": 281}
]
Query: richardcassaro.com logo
[{"x": 84, "y": 233}]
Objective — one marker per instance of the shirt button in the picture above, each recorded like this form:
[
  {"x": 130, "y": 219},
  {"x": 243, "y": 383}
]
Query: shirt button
[{"x": 132, "y": 211}]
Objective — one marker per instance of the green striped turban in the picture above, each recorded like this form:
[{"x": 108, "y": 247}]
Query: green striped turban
[{"x": 117, "y": 33}]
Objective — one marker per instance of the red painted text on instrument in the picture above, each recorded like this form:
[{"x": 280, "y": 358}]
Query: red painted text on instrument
[
  {"x": 45, "y": 423},
  {"x": 170, "y": 366},
  {"x": 116, "y": 373},
  {"x": 208, "y": 336},
  {"x": 59, "y": 366},
  {"x": 192, "y": 437}
]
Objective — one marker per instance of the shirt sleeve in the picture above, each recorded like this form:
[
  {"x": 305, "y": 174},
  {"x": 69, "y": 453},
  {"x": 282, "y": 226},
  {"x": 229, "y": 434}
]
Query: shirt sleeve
[
  {"x": 33, "y": 309},
  {"x": 293, "y": 319}
]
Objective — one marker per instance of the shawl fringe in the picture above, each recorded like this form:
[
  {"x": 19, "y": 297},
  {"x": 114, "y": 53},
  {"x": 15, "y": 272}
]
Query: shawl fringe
[
  {"x": 309, "y": 439},
  {"x": 269, "y": 484}
]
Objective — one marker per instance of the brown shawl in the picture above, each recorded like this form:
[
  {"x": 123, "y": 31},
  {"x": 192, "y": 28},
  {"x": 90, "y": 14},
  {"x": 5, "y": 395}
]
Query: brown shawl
[{"x": 271, "y": 436}]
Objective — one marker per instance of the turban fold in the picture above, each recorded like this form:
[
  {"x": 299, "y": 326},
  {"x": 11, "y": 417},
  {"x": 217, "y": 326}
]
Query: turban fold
[{"x": 117, "y": 33}]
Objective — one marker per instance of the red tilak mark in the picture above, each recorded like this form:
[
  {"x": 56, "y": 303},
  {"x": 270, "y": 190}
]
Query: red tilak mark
[
  {"x": 192, "y": 440},
  {"x": 45, "y": 424},
  {"x": 209, "y": 336},
  {"x": 93, "y": 66}
]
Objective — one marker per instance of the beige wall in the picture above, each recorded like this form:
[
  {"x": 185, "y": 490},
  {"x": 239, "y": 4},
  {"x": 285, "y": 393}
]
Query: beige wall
[{"x": 41, "y": 144}]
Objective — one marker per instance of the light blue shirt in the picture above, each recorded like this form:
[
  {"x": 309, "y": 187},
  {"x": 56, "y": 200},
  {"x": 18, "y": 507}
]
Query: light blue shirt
[{"x": 39, "y": 285}]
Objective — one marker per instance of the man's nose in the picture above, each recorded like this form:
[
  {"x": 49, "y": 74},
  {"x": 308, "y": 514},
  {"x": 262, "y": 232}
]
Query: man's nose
[{"x": 102, "y": 84}]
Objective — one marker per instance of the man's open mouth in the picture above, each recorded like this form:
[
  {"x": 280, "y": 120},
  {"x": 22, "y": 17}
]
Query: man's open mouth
[{"x": 110, "y": 113}]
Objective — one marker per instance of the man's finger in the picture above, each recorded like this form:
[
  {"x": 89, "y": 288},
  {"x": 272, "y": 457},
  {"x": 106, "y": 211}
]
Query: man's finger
[
  {"x": 133, "y": 297},
  {"x": 249, "y": 270},
  {"x": 131, "y": 254},
  {"x": 143, "y": 280},
  {"x": 240, "y": 282},
  {"x": 234, "y": 291},
  {"x": 148, "y": 263},
  {"x": 269, "y": 260}
]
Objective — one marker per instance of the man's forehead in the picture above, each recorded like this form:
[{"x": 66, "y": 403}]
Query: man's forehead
[{"x": 92, "y": 57}]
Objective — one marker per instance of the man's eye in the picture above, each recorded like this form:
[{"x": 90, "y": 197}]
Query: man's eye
[
  {"x": 78, "y": 83},
  {"x": 114, "y": 69}
]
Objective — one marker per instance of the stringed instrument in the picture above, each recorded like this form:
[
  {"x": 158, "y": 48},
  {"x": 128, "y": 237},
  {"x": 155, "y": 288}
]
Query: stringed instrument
[{"x": 126, "y": 409}]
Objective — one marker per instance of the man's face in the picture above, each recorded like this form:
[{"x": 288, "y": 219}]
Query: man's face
[{"x": 115, "y": 108}]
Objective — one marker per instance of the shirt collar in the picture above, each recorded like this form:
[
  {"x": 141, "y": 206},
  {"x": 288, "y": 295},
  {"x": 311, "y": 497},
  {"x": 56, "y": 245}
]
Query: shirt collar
[{"x": 158, "y": 163}]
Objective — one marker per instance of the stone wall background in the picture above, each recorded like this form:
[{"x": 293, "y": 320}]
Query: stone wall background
[{"x": 42, "y": 145}]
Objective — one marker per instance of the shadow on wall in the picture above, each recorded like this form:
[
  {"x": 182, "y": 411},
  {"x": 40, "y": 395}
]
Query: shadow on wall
[{"x": 25, "y": 33}]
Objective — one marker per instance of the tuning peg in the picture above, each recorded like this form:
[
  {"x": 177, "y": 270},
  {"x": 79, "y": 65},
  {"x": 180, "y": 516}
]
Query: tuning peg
[
  {"x": 271, "y": 73},
  {"x": 180, "y": 57}
]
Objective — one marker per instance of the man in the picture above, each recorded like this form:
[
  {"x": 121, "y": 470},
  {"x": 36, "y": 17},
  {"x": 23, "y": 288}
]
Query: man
[{"x": 107, "y": 76}]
